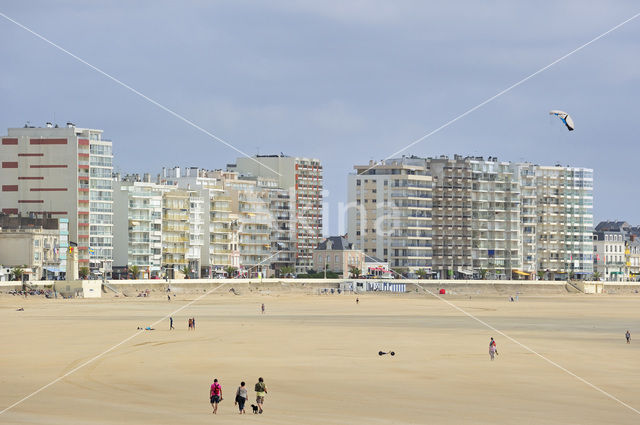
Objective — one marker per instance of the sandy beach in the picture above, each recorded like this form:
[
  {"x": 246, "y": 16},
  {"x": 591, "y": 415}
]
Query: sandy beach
[{"x": 319, "y": 358}]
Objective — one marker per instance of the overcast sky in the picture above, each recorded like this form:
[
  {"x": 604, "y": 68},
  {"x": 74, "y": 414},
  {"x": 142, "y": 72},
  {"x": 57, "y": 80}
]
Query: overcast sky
[{"x": 342, "y": 81}]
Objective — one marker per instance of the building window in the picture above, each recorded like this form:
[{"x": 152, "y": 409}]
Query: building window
[
  {"x": 358, "y": 182},
  {"x": 36, "y": 242},
  {"x": 336, "y": 261}
]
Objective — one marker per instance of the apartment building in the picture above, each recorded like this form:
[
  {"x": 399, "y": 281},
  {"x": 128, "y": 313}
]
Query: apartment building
[
  {"x": 64, "y": 172},
  {"x": 564, "y": 198},
  {"x": 474, "y": 217},
  {"x": 283, "y": 236},
  {"x": 302, "y": 177},
  {"x": 137, "y": 226},
  {"x": 181, "y": 240},
  {"x": 389, "y": 212},
  {"x": 252, "y": 226}
]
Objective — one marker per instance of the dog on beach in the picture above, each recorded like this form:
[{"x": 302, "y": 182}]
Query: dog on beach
[{"x": 255, "y": 409}]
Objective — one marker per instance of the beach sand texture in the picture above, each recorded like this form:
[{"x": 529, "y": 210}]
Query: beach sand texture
[{"x": 319, "y": 358}]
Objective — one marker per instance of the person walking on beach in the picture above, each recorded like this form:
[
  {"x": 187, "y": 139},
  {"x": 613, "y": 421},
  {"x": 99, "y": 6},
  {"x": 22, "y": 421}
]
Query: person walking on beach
[
  {"x": 261, "y": 390},
  {"x": 171, "y": 323},
  {"x": 628, "y": 336},
  {"x": 357, "y": 300},
  {"x": 493, "y": 350},
  {"x": 241, "y": 397},
  {"x": 193, "y": 323},
  {"x": 190, "y": 324},
  {"x": 262, "y": 308},
  {"x": 215, "y": 395}
]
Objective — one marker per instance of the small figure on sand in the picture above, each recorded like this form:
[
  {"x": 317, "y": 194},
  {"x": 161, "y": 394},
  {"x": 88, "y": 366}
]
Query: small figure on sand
[
  {"x": 357, "y": 300},
  {"x": 171, "y": 323},
  {"x": 169, "y": 297},
  {"x": 261, "y": 390},
  {"x": 193, "y": 323},
  {"x": 215, "y": 394},
  {"x": 628, "y": 336},
  {"x": 190, "y": 324},
  {"x": 262, "y": 308},
  {"x": 241, "y": 397},
  {"x": 22, "y": 309},
  {"x": 493, "y": 350}
]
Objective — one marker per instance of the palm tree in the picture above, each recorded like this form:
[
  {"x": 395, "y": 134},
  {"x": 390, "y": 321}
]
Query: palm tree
[
  {"x": 422, "y": 273},
  {"x": 540, "y": 274},
  {"x": 16, "y": 273},
  {"x": 185, "y": 272},
  {"x": 354, "y": 271},
  {"x": 83, "y": 272},
  {"x": 135, "y": 271},
  {"x": 483, "y": 273},
  {"x": 286, "y": 270},
  {"x": 596, "y": 276},
  {"x": 230, "y": 271}
]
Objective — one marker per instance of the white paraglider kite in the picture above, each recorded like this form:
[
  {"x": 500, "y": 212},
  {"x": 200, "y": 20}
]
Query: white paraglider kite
[{"x": 566, "y": 119}]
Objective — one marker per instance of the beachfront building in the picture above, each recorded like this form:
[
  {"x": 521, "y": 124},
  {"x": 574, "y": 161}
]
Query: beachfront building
[
  {"x": 476, "y": 218},
  {"x": 283, "y": 238},
  {"x": 610, "y": 240},
  {"x": 181, "y": 240},
  {"x": 389, "y": 212},
  {"x": 137, "y": 226},
  {"x": 564, "y": 197},
  {"x": 336, "y": 254},
  {"x": 302, "y": 177},
  {"x": 30, "y": 243},
  {"x": 64, "y": 172},
  {"x": 252, "y": 226}
]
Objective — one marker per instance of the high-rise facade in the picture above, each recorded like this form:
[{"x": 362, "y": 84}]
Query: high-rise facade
[
  {"x": 65, "y": 172},
  {"x": 487, "y": 218},
  {"x": 390, "y": 212},
  {"x": 565, "y": 220},
  {"x": 302, "y": 177},
  {"x": 138, "y": 227}
]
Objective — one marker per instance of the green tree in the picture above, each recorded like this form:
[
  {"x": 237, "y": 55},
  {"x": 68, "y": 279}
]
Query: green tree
[
  {"x": 16, "y": 273},
  {"x": 185, "y": 271},
  {"x": 83, "y": 272},
  {"x": 400, "y": 271},
  {"x": 286, "y": 270},
  {"x": 483, "y": 273},
  {"x": 230, "y": 271},
  {"x": 595, "y": 276},
  {"x": 135, "y": 271},
  {"x": 354, "y": 271},
  {"x": 422, "y": 273},
  {"x": 540, "y": 274}
]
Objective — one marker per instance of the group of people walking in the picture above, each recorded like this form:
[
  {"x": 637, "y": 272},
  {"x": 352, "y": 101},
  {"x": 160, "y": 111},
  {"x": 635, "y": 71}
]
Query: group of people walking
[{"x": 242, "y": 396}]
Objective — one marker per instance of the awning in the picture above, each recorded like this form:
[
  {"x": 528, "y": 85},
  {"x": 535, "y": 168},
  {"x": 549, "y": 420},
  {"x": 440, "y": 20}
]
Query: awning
[
  {"x": 521, "y": 273},
  {"x": 53, "y": 269},
  {"x": 467, "y": 272}
]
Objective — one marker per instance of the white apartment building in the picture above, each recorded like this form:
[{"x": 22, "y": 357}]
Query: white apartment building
[
  {"x": 476, "y": 219},
  {"x": 302, "y": 177},
  {"x": 64, "y": 172},
  {"x": 389, "y": 212},
  {"x": 565, "y": 221},
  {"x": 137, "y": 226},
  {"x": 468, "y": 216}
]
